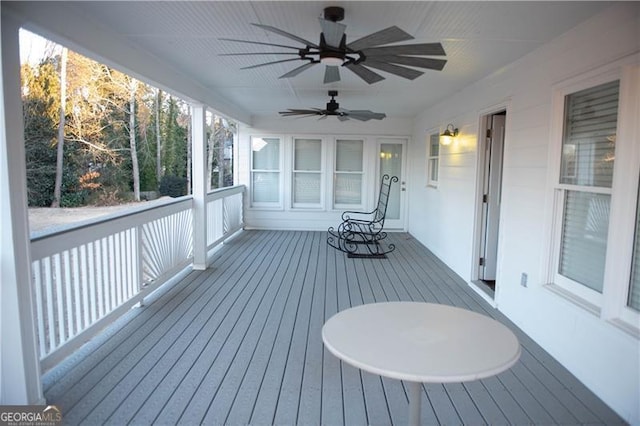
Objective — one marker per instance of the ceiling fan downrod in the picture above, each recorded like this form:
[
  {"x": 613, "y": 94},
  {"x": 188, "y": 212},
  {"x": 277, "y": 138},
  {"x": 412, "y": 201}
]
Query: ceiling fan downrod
[{"x": 332, "y": 105}]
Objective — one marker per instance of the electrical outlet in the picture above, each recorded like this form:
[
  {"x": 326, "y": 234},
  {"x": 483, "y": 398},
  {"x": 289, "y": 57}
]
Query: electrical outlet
[{"x": 523, "y": 279}]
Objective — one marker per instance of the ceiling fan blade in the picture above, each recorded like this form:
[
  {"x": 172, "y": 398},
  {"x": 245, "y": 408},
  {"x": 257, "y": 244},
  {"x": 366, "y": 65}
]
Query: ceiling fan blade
[
  {"x": 259, "y": 42},
  {"x": 386, "y": 36},
  {"x": 331, "y": 74},
  {"x": 364, "y": 73},
  {"x": 297, "y": 115},
  {"x": 365, "y": 115},
  {"x": 286, "y": 34},
  {"x": 269, "y": 63},
  {"x": 428, "y": 49},
  {"x": 332, "y": 31},
  {"x": 303, "y": 116},
  {"x": 412, "y": 61},
  {"x": 298, "y": 70},
  {"x": 293, "y": 111},
  {"x": 408, "y": 73},
  {"x": 356, "y": 117},
  {"x": 258, "y": 53}
]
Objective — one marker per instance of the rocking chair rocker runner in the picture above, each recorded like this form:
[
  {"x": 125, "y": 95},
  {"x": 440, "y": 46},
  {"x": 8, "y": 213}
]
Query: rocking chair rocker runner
[{"x": 360, "y": 234}]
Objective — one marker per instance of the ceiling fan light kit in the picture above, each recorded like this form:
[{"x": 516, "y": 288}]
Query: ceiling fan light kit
[{"x": 358, "y": 56}]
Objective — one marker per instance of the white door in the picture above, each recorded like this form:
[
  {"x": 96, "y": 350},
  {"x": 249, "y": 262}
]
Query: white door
[
  {"x": 494, "y": 145},
  {"x": 391, "y": 161}
]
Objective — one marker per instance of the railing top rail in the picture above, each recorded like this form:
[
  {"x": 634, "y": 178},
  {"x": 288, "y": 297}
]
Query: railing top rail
[
  {"x": 93, "y": 230},
  {"x": 216, "y": 194},
  {"x": 180, "y": 202},
  {"x": 136, "y": 211}
]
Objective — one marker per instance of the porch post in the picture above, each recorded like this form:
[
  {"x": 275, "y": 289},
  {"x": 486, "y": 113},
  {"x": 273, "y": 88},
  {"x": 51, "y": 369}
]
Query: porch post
[
  {"x": 19, "y": 362},
  {"x": 200, "y": 186}
]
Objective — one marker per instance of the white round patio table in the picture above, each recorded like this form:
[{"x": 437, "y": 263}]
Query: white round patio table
[{"x": 421, "y": 342}]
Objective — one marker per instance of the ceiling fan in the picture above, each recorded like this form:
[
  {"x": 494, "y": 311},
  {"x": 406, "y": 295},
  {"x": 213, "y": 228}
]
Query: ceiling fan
[
  {"x": 357, "y": 56},
  {"x": 333, "y": 108}
]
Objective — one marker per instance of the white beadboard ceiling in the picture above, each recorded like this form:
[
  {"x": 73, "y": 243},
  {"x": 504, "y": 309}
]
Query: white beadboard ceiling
[{"x": 478, "y": 37}]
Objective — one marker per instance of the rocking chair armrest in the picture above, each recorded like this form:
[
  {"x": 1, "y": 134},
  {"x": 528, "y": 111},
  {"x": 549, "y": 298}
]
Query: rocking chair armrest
[
  {"x": 347, "y": 215},
  {"x": 358, "y": 222}
]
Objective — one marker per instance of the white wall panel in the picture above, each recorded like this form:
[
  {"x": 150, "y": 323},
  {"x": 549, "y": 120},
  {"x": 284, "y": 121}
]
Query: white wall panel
[{"x": 601, "y": 355}]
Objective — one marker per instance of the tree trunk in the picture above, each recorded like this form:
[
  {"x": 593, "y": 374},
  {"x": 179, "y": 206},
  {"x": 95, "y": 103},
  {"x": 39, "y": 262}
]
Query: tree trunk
[
  {"x": 210, "y": 153},
  {"x": 189, "y": 148},
  {"x": 221, "y": 141},
  {"x": 132, "y": 140},
  {"x": 158, "y": 139},
  {"x": 57, "y": 190}
]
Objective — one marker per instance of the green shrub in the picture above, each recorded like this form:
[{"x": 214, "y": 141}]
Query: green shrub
[
  {"x": 73, "y": 199},
  {"x": 173, "y": 186}
]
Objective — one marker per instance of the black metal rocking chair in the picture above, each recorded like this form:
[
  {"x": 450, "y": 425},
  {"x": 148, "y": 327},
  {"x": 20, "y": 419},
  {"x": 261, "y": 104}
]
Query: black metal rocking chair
[{"x": 360, "y": 234}]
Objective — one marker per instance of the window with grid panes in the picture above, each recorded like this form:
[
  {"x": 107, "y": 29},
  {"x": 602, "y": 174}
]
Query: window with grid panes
[
  {"x": 348, "y": 172},
  {"x": 595, "y": 254},
  {"x": 307, "y": 172},
  {"x": 265, "y": 171},
  {"x": 585, "y": 184}
]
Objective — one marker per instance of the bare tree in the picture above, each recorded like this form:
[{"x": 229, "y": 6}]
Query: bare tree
[
  {"x": 210, "y": 153},
  {"x": 189, "y": 141},
  {"x": 57, "y": 191},
  {"x": 158, "y": 138},
  {"x": 133, "y": 87},
  {"x": 221, "y": 137}
]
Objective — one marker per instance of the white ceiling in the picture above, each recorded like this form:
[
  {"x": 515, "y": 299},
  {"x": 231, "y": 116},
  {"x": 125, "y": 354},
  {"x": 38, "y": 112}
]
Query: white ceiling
[{"x": 478, "y": 37}]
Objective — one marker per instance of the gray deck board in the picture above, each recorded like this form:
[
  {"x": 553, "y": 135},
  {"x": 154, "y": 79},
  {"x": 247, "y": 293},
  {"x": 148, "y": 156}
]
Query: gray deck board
[{"x": 240, "y": 343}]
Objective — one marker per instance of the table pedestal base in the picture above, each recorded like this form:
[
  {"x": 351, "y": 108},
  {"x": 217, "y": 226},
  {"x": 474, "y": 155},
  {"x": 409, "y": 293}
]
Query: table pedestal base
[{"x": 415, "y": 401}]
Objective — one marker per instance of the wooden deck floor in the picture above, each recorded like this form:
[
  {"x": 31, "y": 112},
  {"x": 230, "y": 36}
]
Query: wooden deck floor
[{"x": 240, "y": 344}]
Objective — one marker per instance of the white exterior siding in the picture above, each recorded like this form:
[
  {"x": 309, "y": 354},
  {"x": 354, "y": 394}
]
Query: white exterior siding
[{"x": 603, "y": 356}]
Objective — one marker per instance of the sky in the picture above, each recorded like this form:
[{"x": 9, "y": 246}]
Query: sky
[{"x": 32, "y": 47}]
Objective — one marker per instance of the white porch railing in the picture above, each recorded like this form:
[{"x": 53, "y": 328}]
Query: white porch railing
[
  {"x": 224, "y": 214},
  {"x": 85, "y": 277}
]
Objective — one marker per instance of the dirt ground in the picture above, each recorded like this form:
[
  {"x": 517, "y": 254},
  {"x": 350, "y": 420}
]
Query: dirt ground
[{"x": 48, "y": 219}]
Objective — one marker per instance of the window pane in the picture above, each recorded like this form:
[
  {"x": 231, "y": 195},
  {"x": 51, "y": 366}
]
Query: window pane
[
  {"x": 265, "y": 187},
  {"x": 266, "y": 153},
  {"x": 348, "y": 156},
  {"x": 391, "y": 164},
  {"x": 434, "y": 145},
  {"x": 634, "y": 289},
  {"x": 308, "y": 154},
  {"x": 348, "y": 188},
  {"x": 433, "y": 170},
  {"x": 306, "y": 188},
  {"x": 588, "y": 148},
  {"x": 584, "y": 238}
]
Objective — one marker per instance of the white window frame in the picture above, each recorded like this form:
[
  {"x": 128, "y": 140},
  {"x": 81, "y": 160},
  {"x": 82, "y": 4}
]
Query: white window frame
[
  {"x": 611, "y": 304},
  {"x": 433, "y": 159},
  {"x": 320, "y": 204},
  {"x": 267, "y": 205}
]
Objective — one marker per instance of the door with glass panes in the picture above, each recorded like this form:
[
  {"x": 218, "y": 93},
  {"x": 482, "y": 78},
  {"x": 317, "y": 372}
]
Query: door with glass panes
[{"x": 391, "y": 161}]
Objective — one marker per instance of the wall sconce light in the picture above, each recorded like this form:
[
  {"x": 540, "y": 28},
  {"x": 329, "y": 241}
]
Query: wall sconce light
[{"x": 448, "y": 135}]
